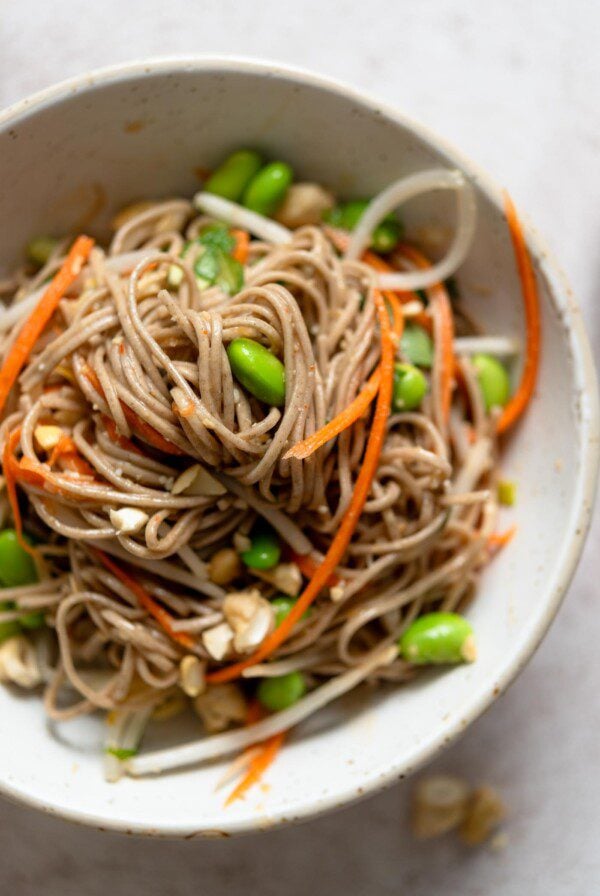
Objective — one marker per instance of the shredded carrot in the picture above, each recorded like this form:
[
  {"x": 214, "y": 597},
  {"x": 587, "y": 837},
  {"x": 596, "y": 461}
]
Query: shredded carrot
[
  {"x": 308, "y": 568},
  {"x": 257, "y": 766},
  {"x": 423, "y": 320},
  {"x": 164, "y": 619},
  {"x": 500, "y": 539},
  {"x": 350, "y": 520},
  {"x": 115, "y": 436},
  {"x": 144, "y": 430},
  {"x": 41, "y": 314},
  {"x": 9, "y": 465},
  {"x": 443, "y": 326},
  {"x": 531, "y": 301},
  {"x": 67, "y": 454},
  {"x": 242, "y": 244},
  {"x": 353, "y": 412}
]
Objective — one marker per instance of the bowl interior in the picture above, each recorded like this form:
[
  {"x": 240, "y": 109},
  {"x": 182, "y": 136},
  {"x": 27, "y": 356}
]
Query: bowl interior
[{"x": 73, "y": 157}]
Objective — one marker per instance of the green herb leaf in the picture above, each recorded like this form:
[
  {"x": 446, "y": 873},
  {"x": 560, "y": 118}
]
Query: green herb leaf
[{"x": 217, "y": 236}]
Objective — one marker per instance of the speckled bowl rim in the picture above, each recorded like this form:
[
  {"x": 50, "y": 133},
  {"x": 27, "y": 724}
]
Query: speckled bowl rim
[{"x": 584, "y": 376}]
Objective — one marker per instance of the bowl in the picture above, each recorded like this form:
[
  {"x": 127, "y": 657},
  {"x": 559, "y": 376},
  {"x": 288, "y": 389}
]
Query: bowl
[{"x": 74, "y": 154}]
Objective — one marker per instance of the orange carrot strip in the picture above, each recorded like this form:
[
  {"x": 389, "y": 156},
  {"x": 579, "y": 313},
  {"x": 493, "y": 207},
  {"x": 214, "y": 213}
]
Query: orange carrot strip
[
  {"x": 531, "y": 301},
  {"x": 443, "y": 326},
  {"x": 41, "y": 314},
  {"x": 242, "y": 244},
  {"x": 500, "y": 539},
  {"x": 67, "y": 453},
  {"x": 338, "y": 546},
  {"x": 115, "y": 436},
  {"x": 353, "y": 412},
  {"x": 144, "y": 430},
  {"x": 258, "y": 765},
  {"x": 9, "y": 466},
  {"x": 308, "y": 568},
  {"x": 164, "y": 619}
]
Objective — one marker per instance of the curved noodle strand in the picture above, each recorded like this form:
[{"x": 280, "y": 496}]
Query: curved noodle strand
[{"x": 342, "y": 538}]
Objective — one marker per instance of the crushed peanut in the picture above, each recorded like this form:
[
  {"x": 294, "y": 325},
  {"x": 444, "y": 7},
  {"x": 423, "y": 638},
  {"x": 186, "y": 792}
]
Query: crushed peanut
[
  {"x": 439, "y": 805},
  {"x": 485, "y": 811},
  {"x": 197, "y": 481},
  {"x": 218, "y": 640},
  {"x": 250, "y": 616},
  {"x": 191, "y": 675},
  {"x": 224, "y": 566},
  {"x": 220, "y": 706}
]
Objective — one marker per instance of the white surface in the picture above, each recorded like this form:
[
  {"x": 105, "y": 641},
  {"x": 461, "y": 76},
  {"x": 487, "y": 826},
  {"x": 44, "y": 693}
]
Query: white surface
[
  {"x": 52, "y": 154},
  {"x": 519, "y": 93}
]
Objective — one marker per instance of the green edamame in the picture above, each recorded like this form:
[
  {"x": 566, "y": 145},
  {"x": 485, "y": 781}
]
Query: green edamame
[
  {"x": 233, "y": 176},
  {"x": 493, "y": 380},
  {"x": 283, "y": 606},
  {"x": 16, "y": 565},
  {"x": 40, "y": 249},
  {"x": 32, "y": 620},
  {"x": 417, "y": 345},
  {"x": 438, "y": 638},
  {"x": 265, "y": 550},
  {"x": 258, "y": 370},
  {"x": 266, "y": 191},
  {"x": 8, "y": 629},
  {"x": 410, "y": 387},
  {"x": 385, "y": 236},
  {"x": 278, "y": 693}
]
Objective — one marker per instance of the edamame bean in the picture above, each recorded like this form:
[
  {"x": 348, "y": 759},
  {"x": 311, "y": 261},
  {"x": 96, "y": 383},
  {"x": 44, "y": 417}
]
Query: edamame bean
[
  {"x": 8, "y": 629},
  {"x": 16, "y": 565},
  {"x": 283, "y": 606},
  {"x": 417, "y": 345},
  {"x": 233, "y": 176},
  {"x": 385, "y": 236},
  {"x": 32, "y": 620},
  {"x": 258, "y": 370},
  {"x": 438, "y": 638},
  {"x": 410, "y": 387},
  {"x": 493, "y": 380},
  {"x": 280, "y": 692},
  {"x": 40, "y": 249},
  {"x": 266, "y": 191},
  {"x": 265, "y": 550}
]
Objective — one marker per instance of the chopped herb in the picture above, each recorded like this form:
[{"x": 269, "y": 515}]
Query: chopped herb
[{"x": 217, "y": 236}]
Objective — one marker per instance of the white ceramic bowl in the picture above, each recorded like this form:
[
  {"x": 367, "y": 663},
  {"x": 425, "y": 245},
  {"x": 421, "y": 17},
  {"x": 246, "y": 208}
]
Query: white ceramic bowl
[{"x": 71, "y": 156}]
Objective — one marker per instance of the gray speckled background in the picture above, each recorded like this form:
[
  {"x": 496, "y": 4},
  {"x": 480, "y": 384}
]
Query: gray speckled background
[{"x": 518, "y": 88}]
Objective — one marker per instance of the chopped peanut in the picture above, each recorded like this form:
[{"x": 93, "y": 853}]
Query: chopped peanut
[
  {"x": 220, "y": 706},
  {"x": 218, "y": 640},
  {"x": 439, "y": 804},
  {"x": 197, "y": 481},
  {"x": 48, "y": 437},
  {"x": 191, "y": 675},
  {"x": 250, "y": 616},
  {"x": 485, "y": 811},
  {"x": 304, "y": 204},
  {"x": 224, "y": 566}
]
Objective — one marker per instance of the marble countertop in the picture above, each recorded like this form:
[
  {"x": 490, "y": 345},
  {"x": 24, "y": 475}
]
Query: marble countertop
[{"x": 517, "y": 87}]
